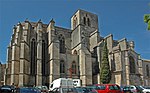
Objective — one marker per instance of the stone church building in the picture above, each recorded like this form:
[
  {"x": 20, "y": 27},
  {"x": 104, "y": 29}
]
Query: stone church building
[{"x": 38, "y": 53}]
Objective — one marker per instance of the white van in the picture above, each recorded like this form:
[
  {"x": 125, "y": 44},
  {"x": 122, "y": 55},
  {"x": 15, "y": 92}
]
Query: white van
[{"x": 61, "y": 83}]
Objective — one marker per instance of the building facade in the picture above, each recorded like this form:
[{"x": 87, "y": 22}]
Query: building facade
[
  {"x": 146, "y": 72},
  {"x": 2, "y": 72},
  {"x": 38, "y": 53}
]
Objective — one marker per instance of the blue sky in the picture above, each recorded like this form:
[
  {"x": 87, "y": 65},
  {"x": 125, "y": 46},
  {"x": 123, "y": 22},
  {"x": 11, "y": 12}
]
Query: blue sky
[{"x": 122, "y": 18}]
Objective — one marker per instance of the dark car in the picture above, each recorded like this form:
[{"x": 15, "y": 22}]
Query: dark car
[
  {"x": 91, "y": 89},
  {"x": 43, "y": 89},
  {"x": 82, "y": 90},
  {"x": 64, "y": 90},
  {"x": 7, "y": 89},
  {"x": 28, "y": 90},
  {"x": 132, "y": 89}
]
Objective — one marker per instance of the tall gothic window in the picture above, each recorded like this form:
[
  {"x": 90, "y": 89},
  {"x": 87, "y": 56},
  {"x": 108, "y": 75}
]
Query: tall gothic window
[
  {"x": 132, "y": 64},
  {"x": 62, "y": 66},
  {"x": 74, "y": 68},
  {"x": 147, "y": 70},
  {"x": 43, "y": 58},
  {"x": 88, "y": 22},
  {"x": 33, "y": 57},
  {"x": 62, "y": 44},
  {"x": 84, "y": 20},
  {"x": 74, "y": 21}
]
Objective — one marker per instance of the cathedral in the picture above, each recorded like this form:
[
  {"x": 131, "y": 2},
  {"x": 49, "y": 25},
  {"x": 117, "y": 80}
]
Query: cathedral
[{"x": 39, "y": 53}]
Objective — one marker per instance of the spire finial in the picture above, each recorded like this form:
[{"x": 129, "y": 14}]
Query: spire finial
[
  {"x": 19, "y": 23},
  {"x": 40, "y": 21},
  {"x": 26, "y": 20},
  {"x": 14, "y": 27},
  {"x": 52, "y": 21}
]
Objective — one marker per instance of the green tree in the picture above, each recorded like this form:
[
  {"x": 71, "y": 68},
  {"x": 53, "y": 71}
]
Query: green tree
[
  {"x": 147, "y": 20},
  {"x": 105, "y": 73}
]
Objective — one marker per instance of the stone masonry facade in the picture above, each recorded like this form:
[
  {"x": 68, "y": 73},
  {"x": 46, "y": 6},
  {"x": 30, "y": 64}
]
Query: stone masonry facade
[{"x": 38, "y": 53}]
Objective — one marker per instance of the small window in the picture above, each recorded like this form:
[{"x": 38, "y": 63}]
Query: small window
[
  {"x": 51, "y": 86},
  {"x": 132, "y": 64},
  {"x": 74, "y": 67},
  {"x": 88, "y": 22},
  {"x": 74, "y": 21},
  {"x": 84, "y": 20},
  {"x": 75, "y": 52},
  {"x": 62, "y": 48},
  {"x": 147, "y": 70},
  {"x": 62, "y": 66}
]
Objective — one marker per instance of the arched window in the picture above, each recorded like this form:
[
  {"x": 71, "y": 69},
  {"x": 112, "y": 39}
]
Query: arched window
[
  {"x": 75, "y": 52},
  {"x": 43, "y": 58},
  {"x": 33, "y": 57},
  {"x": 74, "y": 67},
  {"x": 147, "y": 70},
  {"x": 74, "y": 21},
  {"x": 88, "y": 22},
  {"x": 62, "y": 66},
  {"x": 84, "y": 20},
  {"x": 62, "y": 44},
  {"x": 132, "y": 64}
]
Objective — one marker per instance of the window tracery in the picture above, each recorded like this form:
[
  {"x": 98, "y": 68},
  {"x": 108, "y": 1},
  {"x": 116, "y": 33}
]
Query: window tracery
[
  {"x": 33, "y": 57},
  {"x": 75, "y": 21},
  {"x": 62, "y": 66},
  {"x": 62, "y": 44},
  {"x": 147, "y": 70},
  {"x": 43, "y": 58},
  {"x": 132, "y": 64},
  {"x": 74, "y": 67}
]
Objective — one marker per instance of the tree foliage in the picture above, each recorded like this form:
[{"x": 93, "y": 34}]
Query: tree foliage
[
  {"x": 147, "y": 20},
  {"x": 105, "y": 73}
]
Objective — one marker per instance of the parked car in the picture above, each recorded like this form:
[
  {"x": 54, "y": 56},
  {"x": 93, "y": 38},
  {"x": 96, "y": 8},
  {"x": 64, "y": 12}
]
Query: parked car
[
  {"x": 28, "y": 90},
  {"x": 43, "y": 89},
  {"x": 64, "y": 90},
  {"x": 85, "y": 90},
  {"x": 7, "y": 89},
  {"x": 145, "y": 89},
  {"x": 108, "y": 88},
  {"x": 121, "y": 87},
  {"x": 91, "y": 90},
  {"x": 132, "y": 89}
]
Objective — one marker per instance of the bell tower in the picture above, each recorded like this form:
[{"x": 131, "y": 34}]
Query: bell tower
[
  {"x": 85, "y": 19},
  {"x": 83, "y": 24}
]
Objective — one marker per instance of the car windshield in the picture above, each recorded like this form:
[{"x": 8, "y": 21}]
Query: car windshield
[
  {"x": 68, "y": 90},
  {"x": 101, "y": 87},
  {"x": 42, "y": 87},
  {"x": 114, "y": 87},
  {"x": 147, "y": 87},
  {"x": 126, "y": 88},
  {"x": 139, "y": 88},
  {"x": 7, "y": 86}
]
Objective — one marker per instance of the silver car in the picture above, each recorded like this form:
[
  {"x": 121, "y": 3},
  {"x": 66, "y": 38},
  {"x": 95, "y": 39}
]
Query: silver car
[{"x": 145, "y": 89}]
